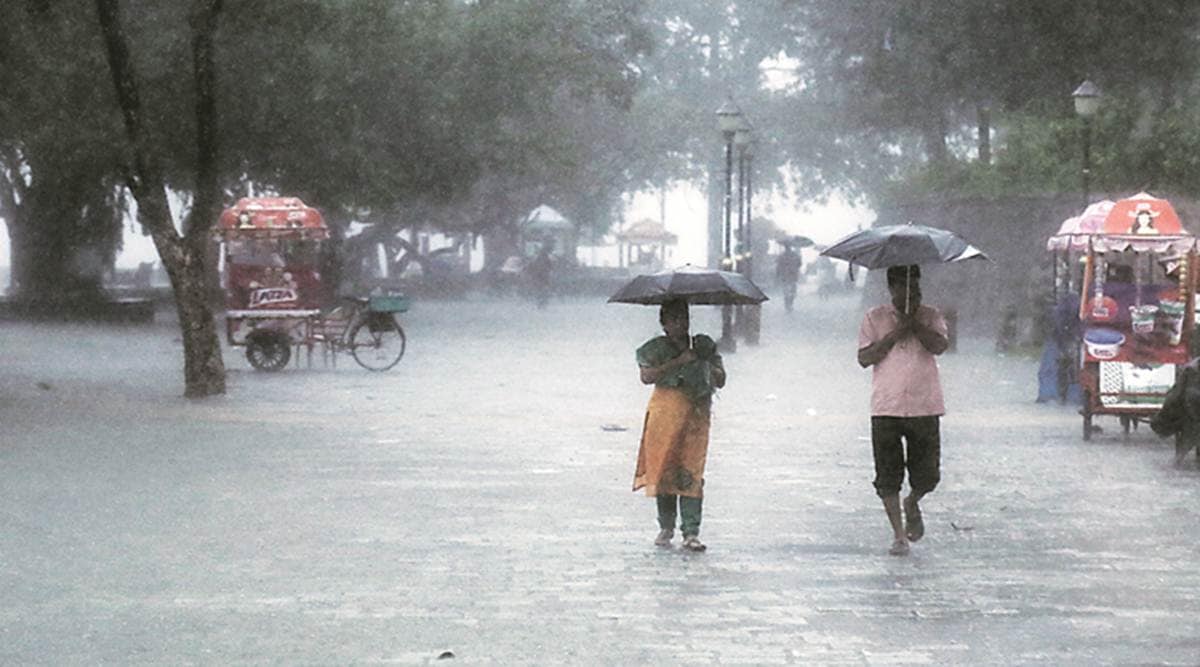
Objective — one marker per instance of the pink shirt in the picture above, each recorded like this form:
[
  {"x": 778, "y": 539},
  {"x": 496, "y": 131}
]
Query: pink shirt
[{"x": 905, "y": 383}]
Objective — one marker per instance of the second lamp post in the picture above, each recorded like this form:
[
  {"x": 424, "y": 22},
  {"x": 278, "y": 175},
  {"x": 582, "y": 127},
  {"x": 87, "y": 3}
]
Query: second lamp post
[
  {"x": 749, "y": 318},
  {"x": 730, "y": 120},
  {"x": 1087, "y": 103}
]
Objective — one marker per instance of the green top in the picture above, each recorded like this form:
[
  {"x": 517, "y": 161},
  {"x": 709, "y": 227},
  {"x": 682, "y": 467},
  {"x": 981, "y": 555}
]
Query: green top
[{"x": 693, "y": 379}]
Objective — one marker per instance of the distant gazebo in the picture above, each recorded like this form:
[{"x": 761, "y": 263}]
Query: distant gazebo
[
  {"x": 546, "y": 226},
  {"x": 644, "y": 245}
]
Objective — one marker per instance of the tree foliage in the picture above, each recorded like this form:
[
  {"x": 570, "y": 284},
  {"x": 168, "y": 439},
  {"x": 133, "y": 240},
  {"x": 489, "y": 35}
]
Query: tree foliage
[
  {"x": 922, "y": 70},
  {"x": 466, "y": 113}
]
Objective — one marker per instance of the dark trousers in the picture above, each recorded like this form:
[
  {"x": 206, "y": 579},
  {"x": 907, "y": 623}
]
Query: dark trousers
[
  {"x": 912, "y": 443},
  {"x": 689, "y": 509}
]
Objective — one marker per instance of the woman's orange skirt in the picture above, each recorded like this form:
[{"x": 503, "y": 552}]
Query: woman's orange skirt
[{"x": 674, "y": 446}]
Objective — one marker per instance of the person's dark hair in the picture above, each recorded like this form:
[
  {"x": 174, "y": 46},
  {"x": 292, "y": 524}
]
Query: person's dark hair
[
  {"x": 672, "y": 308},
  {"x": 896, "y": 274}
]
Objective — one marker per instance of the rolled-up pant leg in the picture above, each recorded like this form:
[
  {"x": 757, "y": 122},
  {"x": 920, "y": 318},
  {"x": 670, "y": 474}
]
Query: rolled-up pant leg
[
  {"x": 923, "y": 441},
  {"x": 888, "y": 449},
  {"x": 921, "y": 437}
]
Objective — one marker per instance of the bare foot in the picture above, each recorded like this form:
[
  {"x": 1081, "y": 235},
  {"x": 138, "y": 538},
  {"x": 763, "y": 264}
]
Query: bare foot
[{"x": 914, "y": 525}]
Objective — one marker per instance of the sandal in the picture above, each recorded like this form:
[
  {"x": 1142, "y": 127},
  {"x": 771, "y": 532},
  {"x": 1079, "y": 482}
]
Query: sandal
[
  {"x": 664, "y": 537},
  {"x": 914, "y": 525},
  {"x": 693, "y": 543},
  {"x": 899, "y": 548}
]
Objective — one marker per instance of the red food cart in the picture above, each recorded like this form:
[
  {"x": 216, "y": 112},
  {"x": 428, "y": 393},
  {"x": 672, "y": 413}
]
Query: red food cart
[
  {"x": 1137, "y": 310},
  {"x": 274, "y": 296}
]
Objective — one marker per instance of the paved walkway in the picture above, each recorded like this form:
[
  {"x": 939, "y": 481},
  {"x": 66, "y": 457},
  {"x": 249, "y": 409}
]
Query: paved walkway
[{"x": 475, "y": 499}]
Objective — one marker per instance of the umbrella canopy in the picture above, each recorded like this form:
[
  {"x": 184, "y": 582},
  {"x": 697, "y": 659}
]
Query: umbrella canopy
[
  {"x": 1143, "y": 214},
  {"x": 545, "y": 218},
  {"x": 1074, "y": 231},
  {"x": 796, "y": 241},
  {"x": 695, "y": 285},
  {"x": 897, "y": 245}
]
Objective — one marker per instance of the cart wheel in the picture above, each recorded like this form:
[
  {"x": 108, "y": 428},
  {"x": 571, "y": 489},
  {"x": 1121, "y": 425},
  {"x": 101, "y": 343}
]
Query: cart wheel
[
  {"x": 377, "y": 342},
  {"x": 268, "y": 351}
]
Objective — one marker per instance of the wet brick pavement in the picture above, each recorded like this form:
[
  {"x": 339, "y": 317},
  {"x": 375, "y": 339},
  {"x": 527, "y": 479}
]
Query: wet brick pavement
[{"x": 475, "y": 499}]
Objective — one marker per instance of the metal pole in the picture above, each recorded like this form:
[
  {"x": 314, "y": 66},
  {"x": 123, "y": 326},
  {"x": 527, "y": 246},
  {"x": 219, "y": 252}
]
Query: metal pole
[
  {"x": 1087, "y": 160},
  {"x": 728, "y": 194},
  {"x": 747, "y": 240},
  {"x": 754, "y": 313},
  {"x": 741, "y": 220},
  {"x": 739, "y": 315},
  {"x": 728, "y": 343}
]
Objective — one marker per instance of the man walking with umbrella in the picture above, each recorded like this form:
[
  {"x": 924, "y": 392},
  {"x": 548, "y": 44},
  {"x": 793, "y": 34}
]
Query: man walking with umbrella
[{"x": 900, "y": 341}]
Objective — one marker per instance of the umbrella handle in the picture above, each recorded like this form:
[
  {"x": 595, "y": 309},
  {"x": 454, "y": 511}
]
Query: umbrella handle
[{"x": 907, "y": 280}]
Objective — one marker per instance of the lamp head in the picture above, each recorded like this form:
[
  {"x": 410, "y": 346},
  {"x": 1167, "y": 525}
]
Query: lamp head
[
  {"x": 1087, "y": 99},
  {"x": 729, "y": 117}
]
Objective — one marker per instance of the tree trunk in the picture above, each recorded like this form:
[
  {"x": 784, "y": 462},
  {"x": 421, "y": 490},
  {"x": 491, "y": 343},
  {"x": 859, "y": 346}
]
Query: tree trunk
[
  {"x": 12, "y": 203},
  {"x": 183, "y": 257},
  {"x": 63, "y": 228},
  {"x": 934, "y": 133},
  {"x": 983, "y": 118}
]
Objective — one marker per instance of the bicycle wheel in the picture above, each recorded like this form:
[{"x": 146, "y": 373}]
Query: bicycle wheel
[
  {"x": 377, "y": 342},
  {"x": 268, "y": 351}
]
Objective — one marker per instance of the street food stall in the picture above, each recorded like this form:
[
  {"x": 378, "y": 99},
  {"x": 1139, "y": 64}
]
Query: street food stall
[
  {"x": 275, "y": 299},
  {"x": 1136, "y": 308}
]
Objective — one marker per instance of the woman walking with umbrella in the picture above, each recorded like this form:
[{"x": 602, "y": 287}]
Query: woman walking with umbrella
[{"x": 685, "y": 371}]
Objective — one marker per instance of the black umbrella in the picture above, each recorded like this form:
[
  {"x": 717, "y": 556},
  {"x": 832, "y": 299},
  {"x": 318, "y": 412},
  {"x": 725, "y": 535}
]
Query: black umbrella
[
  {"x": 696, "y": 286},
  {"x": 897, "y": 245},
  {"x": 796, "y": 241}
]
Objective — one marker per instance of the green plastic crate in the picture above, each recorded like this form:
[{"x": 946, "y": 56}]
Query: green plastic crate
[{"x": 389, "y": 304}]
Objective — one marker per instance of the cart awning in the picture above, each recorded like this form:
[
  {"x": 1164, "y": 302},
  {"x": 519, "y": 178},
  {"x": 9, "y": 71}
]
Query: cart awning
[
  {"x": 1074, "y": 232},
  {"x": 1137, "y": 243},
  {"x": 271, "y": 217}
]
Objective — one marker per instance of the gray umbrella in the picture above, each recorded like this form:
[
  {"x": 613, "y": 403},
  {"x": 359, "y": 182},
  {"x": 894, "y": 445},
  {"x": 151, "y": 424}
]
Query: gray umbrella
[
  {"x": 897, "y": 245},
  {"x": 796, "y": 241},
  {"x": 695, "y": 285}
]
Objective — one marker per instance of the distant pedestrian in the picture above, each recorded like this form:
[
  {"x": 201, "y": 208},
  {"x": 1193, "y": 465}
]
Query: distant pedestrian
[
  {"x": 787, "y": 274},
  {"x": 900, "y": 340},
  {"x": 685, "y": 371},
  {"x": 539, "y": 272}
]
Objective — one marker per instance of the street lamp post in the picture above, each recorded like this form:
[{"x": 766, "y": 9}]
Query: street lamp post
[
  {"x": 729, "y": 119},
  {"x": 1087, "y": 103},
  {"x": 749, "y": 317}
]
